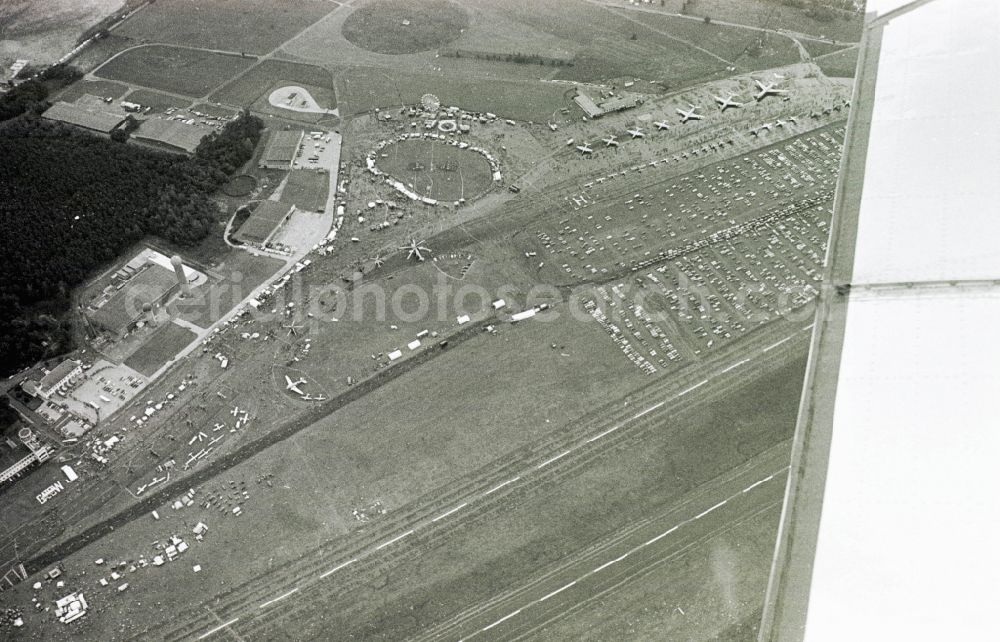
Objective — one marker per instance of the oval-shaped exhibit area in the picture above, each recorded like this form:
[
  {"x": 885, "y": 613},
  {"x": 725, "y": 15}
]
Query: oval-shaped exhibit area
[
  {"x": 405, "y": 26},
  {"x": 435, "y": 169}
]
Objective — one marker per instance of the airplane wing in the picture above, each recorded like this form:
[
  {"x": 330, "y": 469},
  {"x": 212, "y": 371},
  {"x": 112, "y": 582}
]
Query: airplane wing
[{"x": 288, "y": 381}]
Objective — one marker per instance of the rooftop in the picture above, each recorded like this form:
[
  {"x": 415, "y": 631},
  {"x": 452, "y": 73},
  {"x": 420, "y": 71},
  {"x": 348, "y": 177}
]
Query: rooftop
[
  {"x": 86, "y": 113},
  {"x": 173, "y": 133},
  {"x": 281, "y": 146},
  {"x": 263, "y": 221},
  {"x": 125, "y": 306}
]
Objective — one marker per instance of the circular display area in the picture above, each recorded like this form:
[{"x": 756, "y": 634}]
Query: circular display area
[
  {"x": 435, "y": 169},
  {"x": 404, "y": 26},
  {"x": 239, "y": 185}
]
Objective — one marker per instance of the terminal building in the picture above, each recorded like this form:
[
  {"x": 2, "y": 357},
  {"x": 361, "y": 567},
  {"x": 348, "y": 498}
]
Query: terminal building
[{"x": 281, "y": 148}]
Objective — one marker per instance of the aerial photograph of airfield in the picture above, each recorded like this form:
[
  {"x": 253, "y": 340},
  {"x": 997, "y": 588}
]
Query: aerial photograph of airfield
[{"x": 407, "y": 319}]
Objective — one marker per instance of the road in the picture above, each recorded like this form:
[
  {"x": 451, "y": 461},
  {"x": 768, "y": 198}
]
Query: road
[{"x": 357, "y": 559}]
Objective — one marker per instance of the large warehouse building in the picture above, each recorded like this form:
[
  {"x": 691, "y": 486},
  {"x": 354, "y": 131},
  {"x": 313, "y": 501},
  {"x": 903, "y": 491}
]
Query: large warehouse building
[
  {"x": 281, "y": 148},
  {"x": 122, "y": 309},
  {"x": 174, "y": 135},
  {"x": 264, "y": 222},
  {"x": 89, "y": 112}
]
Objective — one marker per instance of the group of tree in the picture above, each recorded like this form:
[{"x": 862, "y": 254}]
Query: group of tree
[
  {"x": 513, "y": 57},
  {"x": 32, "y": 87},
  {"x": 230, "y": 148},
  {"x": 71, "y": 201}
]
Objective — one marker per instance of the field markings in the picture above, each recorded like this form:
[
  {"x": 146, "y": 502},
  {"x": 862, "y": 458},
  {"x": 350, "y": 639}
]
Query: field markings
[
  {"x": 648, "y": 410},
  {"x": 506, "y": 483},
  {"x": 634, "y": 550},
  {"x": 453, "y": 510},
  {"x": 218, "y": 628},
  {"x": 556, "y": 458},
  {"x": 607, "y": 564},
  {"x": 662, "y": 535},
  {"x": 775, "y": 345},
  {"x": 337, "y": 568},
  {"x": 703, "y": 513},
  {"x": 557, "y": 591},
  {"x": 603, "y": 434},
  {"x": 735, "y": 365},
  {"x": 506, "y": 617},
  {"x": 694, "y": 387},
  {"x": 278, "y": 599},
  {"x": 394, "y": 540}
]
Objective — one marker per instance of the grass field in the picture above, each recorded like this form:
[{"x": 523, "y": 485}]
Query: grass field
[
  {"x": 252, "y": 26},
  {"x": 101, "y": 88},
  {"x": 361, "y": 90},
  {"x": 174, "y": 69},
  {"x": 404, "y": 26},
  {"x": 160, "y": 347},
  {"x": 159, "y": 101},
  {"x": 440, "y": 171},
  {"x": 253, "y": 87},
  {"x": 306, "y": 189},
  {"x": 841, "y": 64}
]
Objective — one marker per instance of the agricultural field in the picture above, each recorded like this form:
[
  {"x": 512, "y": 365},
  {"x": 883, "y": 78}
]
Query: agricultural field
[
  {"x": 160, "y": 347},
  {"x": 250, "y": 26},
  {"x": 442, "y": 172},
  {"x": 404, "y": 26},
  {"x": 189, "y": 72}
]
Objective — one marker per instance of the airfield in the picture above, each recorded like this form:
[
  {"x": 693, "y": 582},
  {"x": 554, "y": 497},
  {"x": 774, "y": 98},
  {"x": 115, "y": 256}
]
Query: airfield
[{"x": 582, "y": 390}]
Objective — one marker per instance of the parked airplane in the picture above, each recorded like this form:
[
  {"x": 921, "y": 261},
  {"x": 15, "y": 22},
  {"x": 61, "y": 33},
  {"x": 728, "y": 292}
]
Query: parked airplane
[
  {"x": 768, "y": 89},
  {"x": 661, "y": 124},
  {"x": 727, "y": 102},
  {"x": 636, "y": 133},
  {"x": 293, "y": 329},
  {"x": 584, "y": 149},
  {"x": 610, "y": 141},
  {"x": 553, "y": 126},
  {"x": 319, "y": 398},
  {"x": 689, "y": 114},
  {"x": 294, "y": 385},
  {"x": 415, "y": 249}
]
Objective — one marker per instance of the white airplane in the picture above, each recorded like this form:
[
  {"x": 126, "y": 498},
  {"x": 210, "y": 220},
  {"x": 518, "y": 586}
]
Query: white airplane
[
  {"x": 661, "y": 124},
  {"x": 779, "y": 123},
  {"x": 584, "y": 149},
  {"x": 553, "y": 126},
  {"x": 293, "y": 329},
  {"x": 294, "y": 385},
  {"x": 379, "y": 261},
  {"x": 610, "y": 141},
  {"x": 689, "y": 114},
  {"x": 319, "y": 398},
  {"x": 415, "y": 249},
  {"x": 768, "y": 89},
  {"x": 727, "y": 102},
  {"x": 636, "y": 133}
]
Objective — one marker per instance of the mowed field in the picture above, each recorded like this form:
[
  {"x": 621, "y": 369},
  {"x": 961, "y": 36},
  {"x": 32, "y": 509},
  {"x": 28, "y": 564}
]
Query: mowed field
[
  {"x": 251, "y": 26},
  {"x": 160, "y": 347},
  {"x": 100, "y": 88},
  {"x": 178, "y": 70},
  {"x": 306, "y": 189},
  {"x": 361, "y": 90},
  {"x": 253, "y": 88},
  {"x": 442, "y": 172}
]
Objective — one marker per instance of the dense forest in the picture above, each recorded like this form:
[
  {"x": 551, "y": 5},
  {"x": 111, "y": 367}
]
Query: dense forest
[
  {"x": 230, "y": 148},
  {"x": 71, "y": 201}
]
